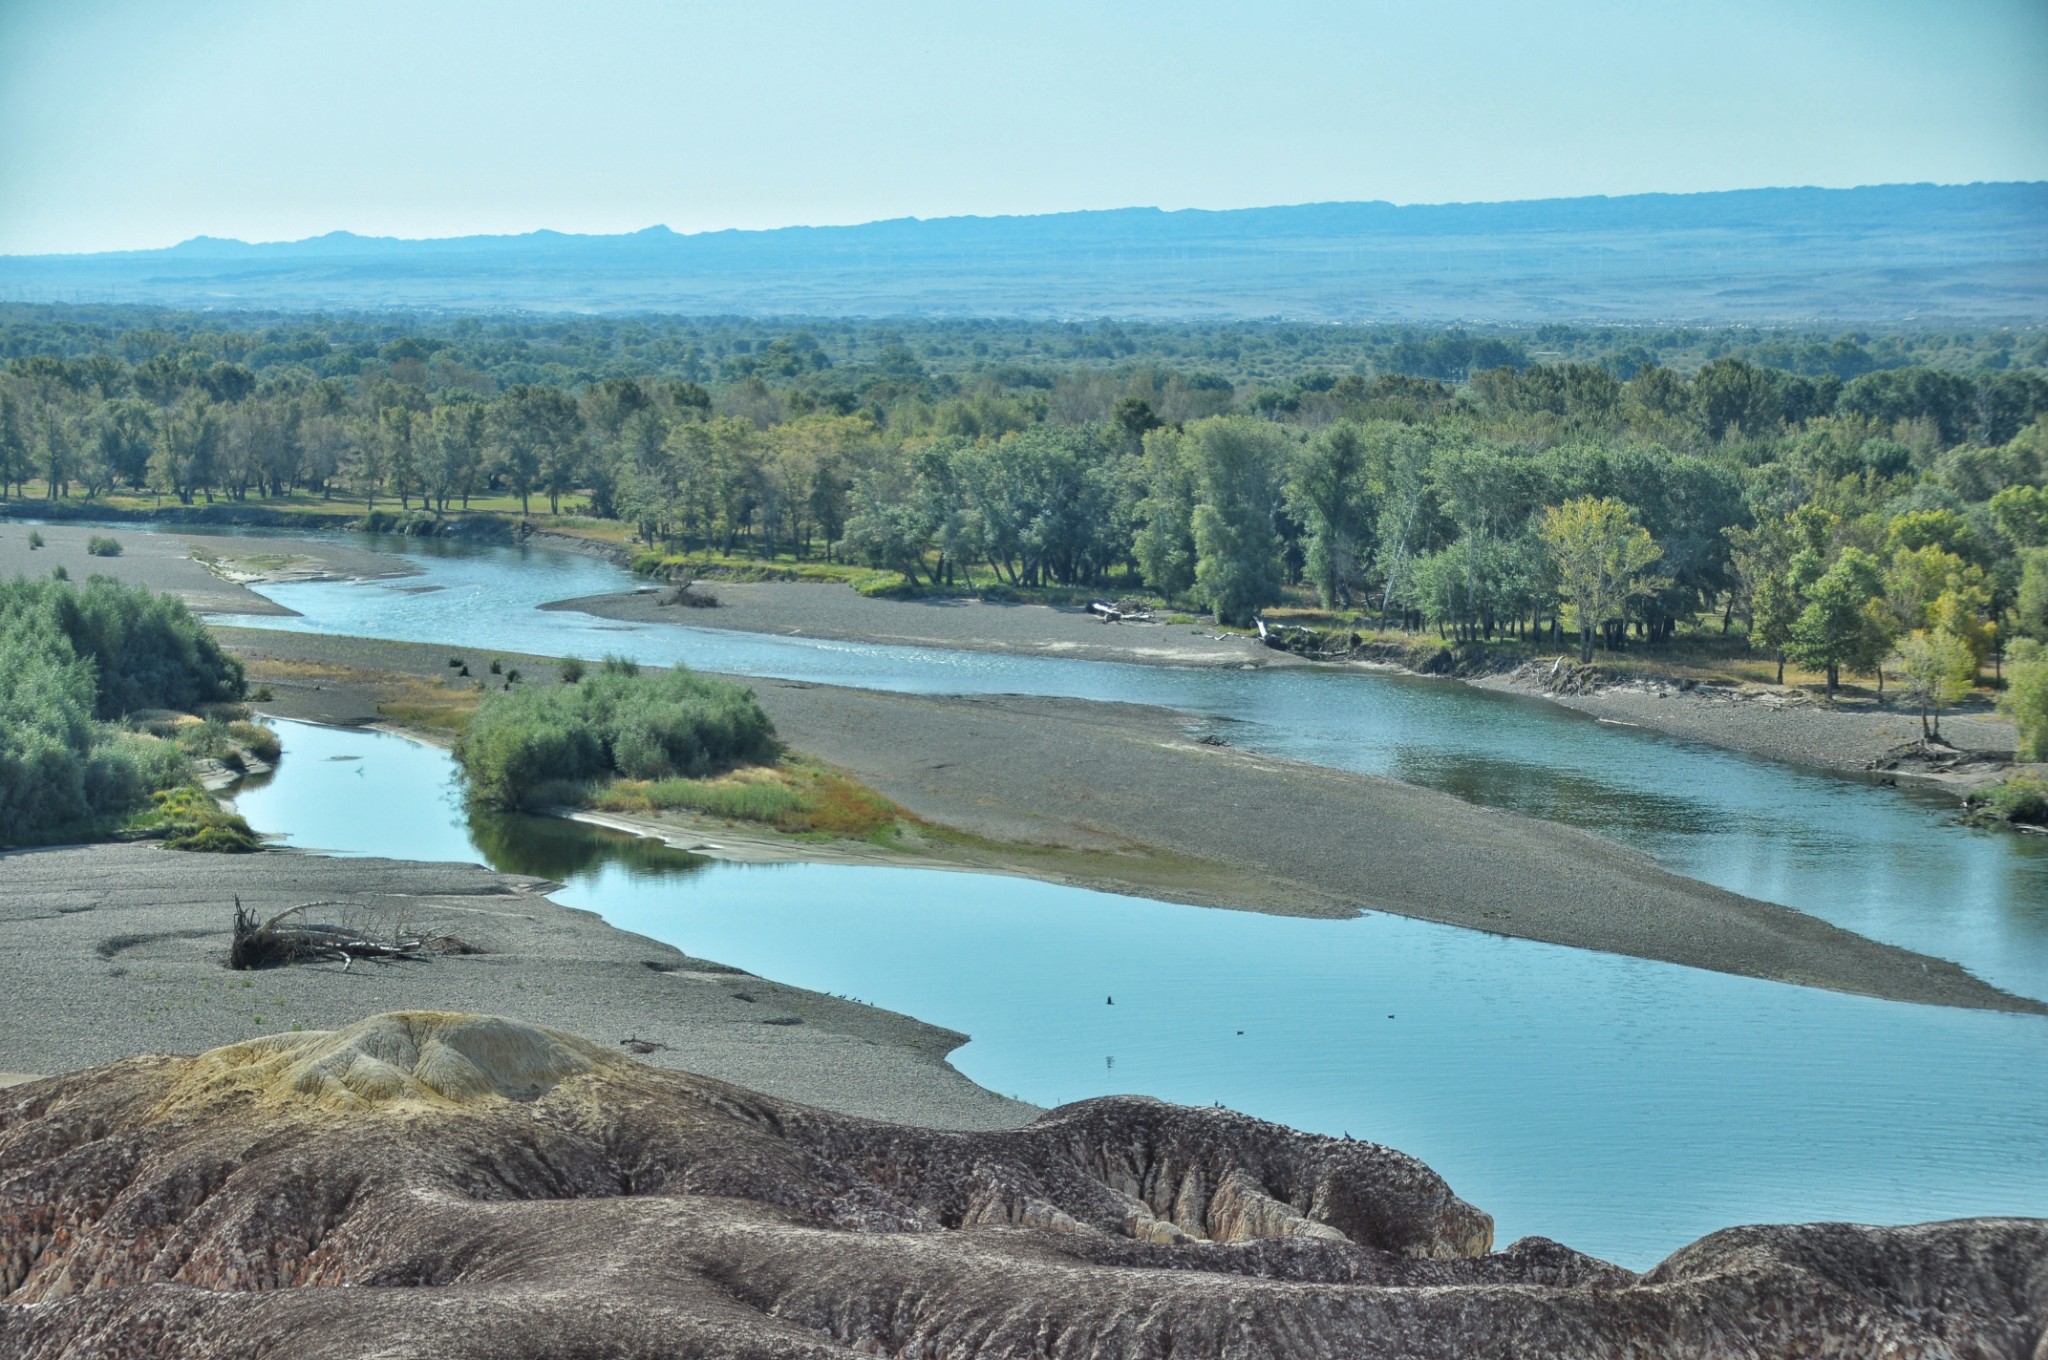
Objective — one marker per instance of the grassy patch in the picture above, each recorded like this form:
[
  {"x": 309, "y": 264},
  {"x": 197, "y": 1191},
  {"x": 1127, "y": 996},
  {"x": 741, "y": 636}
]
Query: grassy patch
[
  {"x": 188, "y": 818},
  {"x": 745, "y": 567},
  {"x": 408, "y": 700},
  {"x": 795, "y": 796},
  {"x": 431, "y": 706}
]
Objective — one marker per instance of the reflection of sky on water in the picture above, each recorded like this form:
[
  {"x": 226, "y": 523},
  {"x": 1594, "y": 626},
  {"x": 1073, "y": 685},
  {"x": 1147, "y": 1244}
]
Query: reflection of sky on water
[
  {"x": 1619, "y": 1105},
  {"x": 1882, "y": 862}
]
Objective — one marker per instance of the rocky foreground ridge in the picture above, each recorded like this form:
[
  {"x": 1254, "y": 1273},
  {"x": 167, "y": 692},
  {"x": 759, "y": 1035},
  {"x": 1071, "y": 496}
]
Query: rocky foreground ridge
[{"x": 436, "y": 1185}]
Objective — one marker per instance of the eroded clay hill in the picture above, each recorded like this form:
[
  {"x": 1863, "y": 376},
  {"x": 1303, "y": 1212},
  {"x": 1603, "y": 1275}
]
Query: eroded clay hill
[{"x": 459, "y": 1186}]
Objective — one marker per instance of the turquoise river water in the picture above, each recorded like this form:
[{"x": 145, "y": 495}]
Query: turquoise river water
[{"x": 1619, "y": 1105}]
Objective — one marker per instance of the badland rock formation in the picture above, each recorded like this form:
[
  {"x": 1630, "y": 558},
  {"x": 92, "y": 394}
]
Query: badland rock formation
[{"x": 448, "y": 1186}]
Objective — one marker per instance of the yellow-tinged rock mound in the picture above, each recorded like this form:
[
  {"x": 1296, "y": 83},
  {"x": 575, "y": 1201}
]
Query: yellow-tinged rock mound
[{"x": 405, "y": 1059}]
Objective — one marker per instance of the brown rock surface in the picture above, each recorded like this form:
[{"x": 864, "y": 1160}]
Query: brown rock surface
[{"x": 437, "y": 1185}]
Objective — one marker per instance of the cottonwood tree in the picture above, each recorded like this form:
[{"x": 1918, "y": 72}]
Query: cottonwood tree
[
  {"x": 1486, "y": 492},
  {"x": 1237, "y": 549},
  {"x": 1838, "y": 629},
  {"x": 1165, "y": 541},
  {"x": 1602, "y": 559},
  {"x": 539, "y": 435},
  {"x": 2030, "y": 605},
  {"x": 1399, "y": 458},
  {"x": 1327, "y": 492},
  {"x": 1935, "y": 669},
  {"x": 2025, "y": 700}
]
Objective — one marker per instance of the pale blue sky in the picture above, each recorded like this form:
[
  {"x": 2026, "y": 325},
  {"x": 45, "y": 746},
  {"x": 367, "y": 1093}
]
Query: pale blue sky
[{"x": 139, "y": 124}]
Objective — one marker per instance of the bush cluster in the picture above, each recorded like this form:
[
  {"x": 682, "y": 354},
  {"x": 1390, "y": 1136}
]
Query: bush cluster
[
  {"x": 618, "y": 722},
  {"x": 2020, "y": 799},
  {"x": 73, "y": 661}
]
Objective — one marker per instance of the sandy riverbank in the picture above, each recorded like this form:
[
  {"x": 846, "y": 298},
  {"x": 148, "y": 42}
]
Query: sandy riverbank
[
  {"x": 1774, "y": 723},
  {"x": 210, "y": 572},
  {"x": 809, "y": 609},
  {"x": 113, "y": 950},
  {"x": 1123, "y": 798},
  {"x": 1783, "y": 724}
]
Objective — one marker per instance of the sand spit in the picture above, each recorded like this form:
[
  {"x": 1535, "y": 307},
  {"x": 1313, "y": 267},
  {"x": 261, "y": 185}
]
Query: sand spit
[
  {"x": 818, "y": 610},
  {"x": 113, "y": 950}
]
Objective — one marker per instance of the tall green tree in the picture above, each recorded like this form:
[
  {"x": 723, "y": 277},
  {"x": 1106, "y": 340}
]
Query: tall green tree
[
  {"x": 1601, "y": 558},
  {"x": 1398, "y": 458},
  {"x": 1838, "y": 630},
  {"x": 1935, "y": 670},
  {"x": 2025, "y": 700},
  {"x": 1165, "y": 543},
  {"x": 539, "y": 435},
  {"x": 1327, "y": 492},
  {"x": 1236, "y": 462}
]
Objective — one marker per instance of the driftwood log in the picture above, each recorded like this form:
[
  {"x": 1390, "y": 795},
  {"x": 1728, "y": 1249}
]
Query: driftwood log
[
  {"x": 690, "y": 596},
  {"x": 281, "y": 940}
]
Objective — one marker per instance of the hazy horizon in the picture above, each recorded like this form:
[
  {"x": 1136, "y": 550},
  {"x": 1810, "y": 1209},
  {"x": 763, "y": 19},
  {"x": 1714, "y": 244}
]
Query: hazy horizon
[
  {"x": 544, "y": 229},
  {"x": 136, "y": 126}
]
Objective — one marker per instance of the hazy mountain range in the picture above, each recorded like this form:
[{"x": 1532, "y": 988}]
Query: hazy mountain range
[{"x": 1886, "y": 254}]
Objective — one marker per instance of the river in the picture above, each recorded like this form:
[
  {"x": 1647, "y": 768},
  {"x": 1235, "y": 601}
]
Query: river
[
  {"x": 1620, "y": 1105},
  {"x": 1616, "y": 1104},
  {"x": 1886, "y": 863}
]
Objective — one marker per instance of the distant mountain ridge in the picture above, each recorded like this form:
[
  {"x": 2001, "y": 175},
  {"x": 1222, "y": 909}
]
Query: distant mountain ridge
[{"x": 1883, "y": 254}]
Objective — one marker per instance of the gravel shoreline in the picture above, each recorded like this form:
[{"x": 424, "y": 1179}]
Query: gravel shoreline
[
  {"x": 819, "y": 610},
  {"x": 1776, "y": 725},
  {"x": 109, "y": 951}
]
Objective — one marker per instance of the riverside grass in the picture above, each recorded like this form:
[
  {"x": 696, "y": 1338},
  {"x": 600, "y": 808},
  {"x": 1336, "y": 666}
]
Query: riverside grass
[{"x": 794, "y": 796}]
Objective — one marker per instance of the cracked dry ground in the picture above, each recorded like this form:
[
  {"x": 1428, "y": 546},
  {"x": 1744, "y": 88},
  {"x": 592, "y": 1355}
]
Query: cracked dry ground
[{"x": 437, "y": 1185}]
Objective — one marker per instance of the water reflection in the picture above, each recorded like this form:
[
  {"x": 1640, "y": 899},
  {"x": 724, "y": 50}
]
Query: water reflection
[
  {"x": 1617, "y": 1104},
  {"x": 1882, "y": 862},
  {"x": 1553, "y": 794},
  {"x": 549, "y": 847}
]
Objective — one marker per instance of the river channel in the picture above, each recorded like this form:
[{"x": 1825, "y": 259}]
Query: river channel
[
  {"x": 1619, "y": 1105},
  {"x": 1622, "y": 1106},
  {"x": 1886, "y": 863}
]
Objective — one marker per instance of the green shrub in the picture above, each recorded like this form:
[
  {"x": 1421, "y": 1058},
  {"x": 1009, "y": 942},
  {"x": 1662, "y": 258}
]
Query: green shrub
[
  {"x": 59, "y": 573},
  {"x": 35, "y": 539},
  {"x": 571, "y": 669},
  {"x": 261, "y": 741},
  {"x": 208, "y": 740},
  {"x": 618, "y": 721},
  {"x": 2020, "y": 799},
  {"x": 100, "y": 545},
  {"x": 2025, "y": 700},
  {"x": 71, "y": 662}
]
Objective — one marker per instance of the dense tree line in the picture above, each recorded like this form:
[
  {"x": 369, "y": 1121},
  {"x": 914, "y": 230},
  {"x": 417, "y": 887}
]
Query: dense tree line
[
  {"x": 1835, "y": 510},
  {"x": 837, "y": 360}
]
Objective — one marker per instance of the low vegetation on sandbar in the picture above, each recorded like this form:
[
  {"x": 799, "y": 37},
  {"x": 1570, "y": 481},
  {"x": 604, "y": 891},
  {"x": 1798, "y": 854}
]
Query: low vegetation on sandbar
[
  {"x": 110, "y": 695},
  {"x": 621, "y": 739}
]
